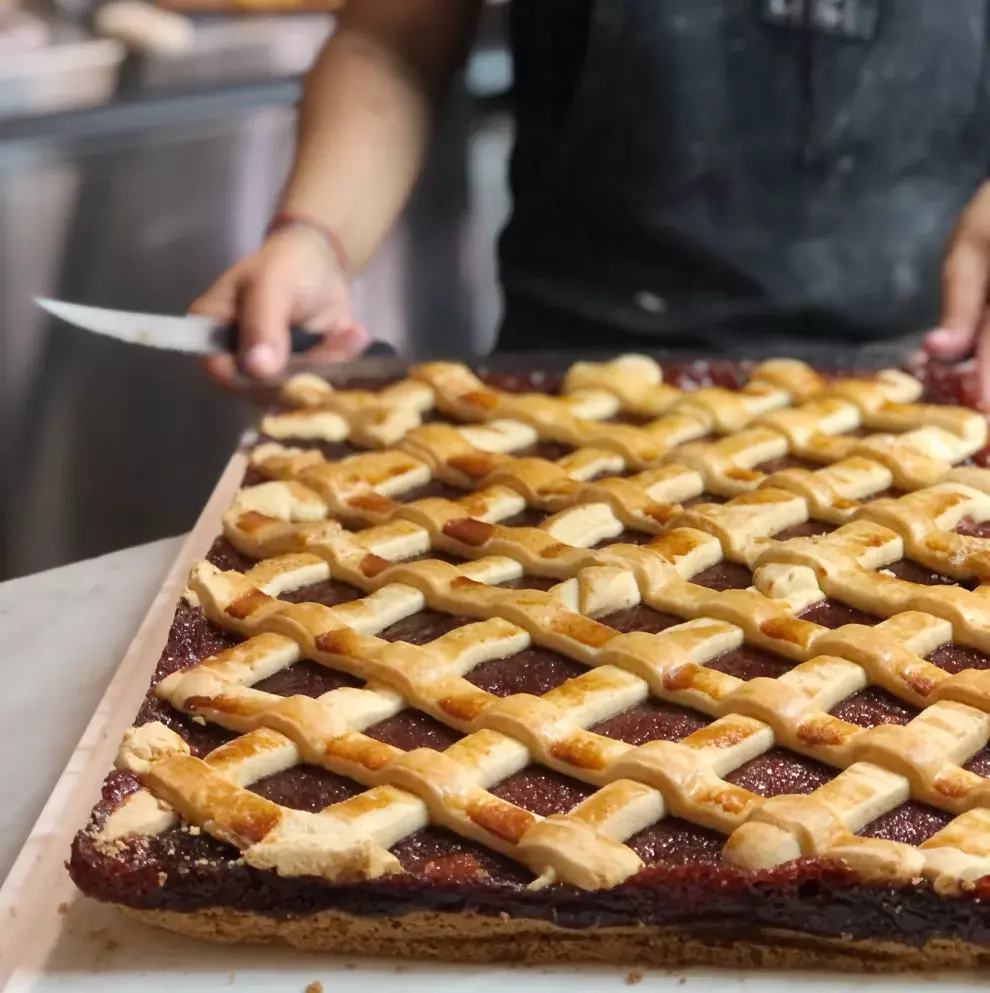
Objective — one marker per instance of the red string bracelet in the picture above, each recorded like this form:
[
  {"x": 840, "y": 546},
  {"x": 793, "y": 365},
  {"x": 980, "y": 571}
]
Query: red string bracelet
[{"x": 285, "y": 219}]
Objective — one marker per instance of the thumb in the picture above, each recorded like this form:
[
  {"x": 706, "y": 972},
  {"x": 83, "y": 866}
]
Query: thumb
[
  {"x": 264, "y": 326},
  {"x": 964, "y": 298}
]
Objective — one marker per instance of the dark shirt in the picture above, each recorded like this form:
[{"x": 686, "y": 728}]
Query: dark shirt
[{"x": 691, "y": 169}]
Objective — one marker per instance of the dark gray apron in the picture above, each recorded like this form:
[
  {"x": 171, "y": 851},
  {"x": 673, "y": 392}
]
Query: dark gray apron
[{"x": 734, "y": 168}]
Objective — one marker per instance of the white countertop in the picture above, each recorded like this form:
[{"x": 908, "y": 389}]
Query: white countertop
[{"x": 62, "y": 636}]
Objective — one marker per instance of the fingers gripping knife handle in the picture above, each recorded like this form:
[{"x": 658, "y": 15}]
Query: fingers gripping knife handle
[{"x": 300, "y": 339}]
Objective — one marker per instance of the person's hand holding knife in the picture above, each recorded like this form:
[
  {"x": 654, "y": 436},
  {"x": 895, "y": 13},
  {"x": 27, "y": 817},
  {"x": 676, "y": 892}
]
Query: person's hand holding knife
[{"x": 297, "y": 277}]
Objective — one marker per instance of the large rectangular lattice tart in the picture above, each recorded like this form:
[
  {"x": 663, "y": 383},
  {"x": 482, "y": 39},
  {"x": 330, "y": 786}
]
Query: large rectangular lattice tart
[{"x": 671, "y": 666}]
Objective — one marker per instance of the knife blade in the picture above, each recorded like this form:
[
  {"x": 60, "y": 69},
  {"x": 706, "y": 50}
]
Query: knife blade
[{"x": 191, "y": 334}]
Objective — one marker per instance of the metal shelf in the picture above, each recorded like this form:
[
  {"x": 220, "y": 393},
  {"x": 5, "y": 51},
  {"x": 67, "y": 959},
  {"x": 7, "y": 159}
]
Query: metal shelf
[{"x": 263, "y": 55}]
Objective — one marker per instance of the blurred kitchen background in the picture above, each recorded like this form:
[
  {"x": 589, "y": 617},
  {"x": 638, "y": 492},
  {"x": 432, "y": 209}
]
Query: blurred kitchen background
[{"x": 139, "y": 156}]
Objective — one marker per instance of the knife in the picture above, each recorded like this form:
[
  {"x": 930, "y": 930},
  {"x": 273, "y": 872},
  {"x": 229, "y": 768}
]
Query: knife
[{"x": 193, "y": 334}]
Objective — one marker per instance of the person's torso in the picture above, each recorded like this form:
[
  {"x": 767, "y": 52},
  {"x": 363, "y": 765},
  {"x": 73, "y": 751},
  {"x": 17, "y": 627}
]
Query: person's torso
[{"x": 679, "y": 162}]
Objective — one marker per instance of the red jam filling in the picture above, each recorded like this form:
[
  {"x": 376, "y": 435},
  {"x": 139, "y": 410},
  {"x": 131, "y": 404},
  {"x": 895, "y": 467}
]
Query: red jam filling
[{"x": 685, "y": 881}]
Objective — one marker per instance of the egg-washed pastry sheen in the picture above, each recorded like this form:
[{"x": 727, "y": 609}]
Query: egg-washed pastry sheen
[{"x": 634, "y": 664}]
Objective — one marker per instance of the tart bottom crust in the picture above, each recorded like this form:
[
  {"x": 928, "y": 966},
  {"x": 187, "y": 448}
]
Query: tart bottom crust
[{"x": 466, "y": 937}]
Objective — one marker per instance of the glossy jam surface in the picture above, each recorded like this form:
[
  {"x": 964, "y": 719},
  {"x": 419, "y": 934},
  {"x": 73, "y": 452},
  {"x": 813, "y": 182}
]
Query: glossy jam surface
[{"x": 684, "y": 879}]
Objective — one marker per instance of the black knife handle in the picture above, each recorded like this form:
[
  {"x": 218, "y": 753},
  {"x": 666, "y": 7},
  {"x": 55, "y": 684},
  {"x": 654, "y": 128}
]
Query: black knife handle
[{"x": 300, "y": 339}]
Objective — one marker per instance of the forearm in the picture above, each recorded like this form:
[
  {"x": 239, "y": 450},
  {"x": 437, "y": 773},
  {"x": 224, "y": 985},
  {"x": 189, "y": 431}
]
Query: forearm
[{"x": 365, "y": 121}]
